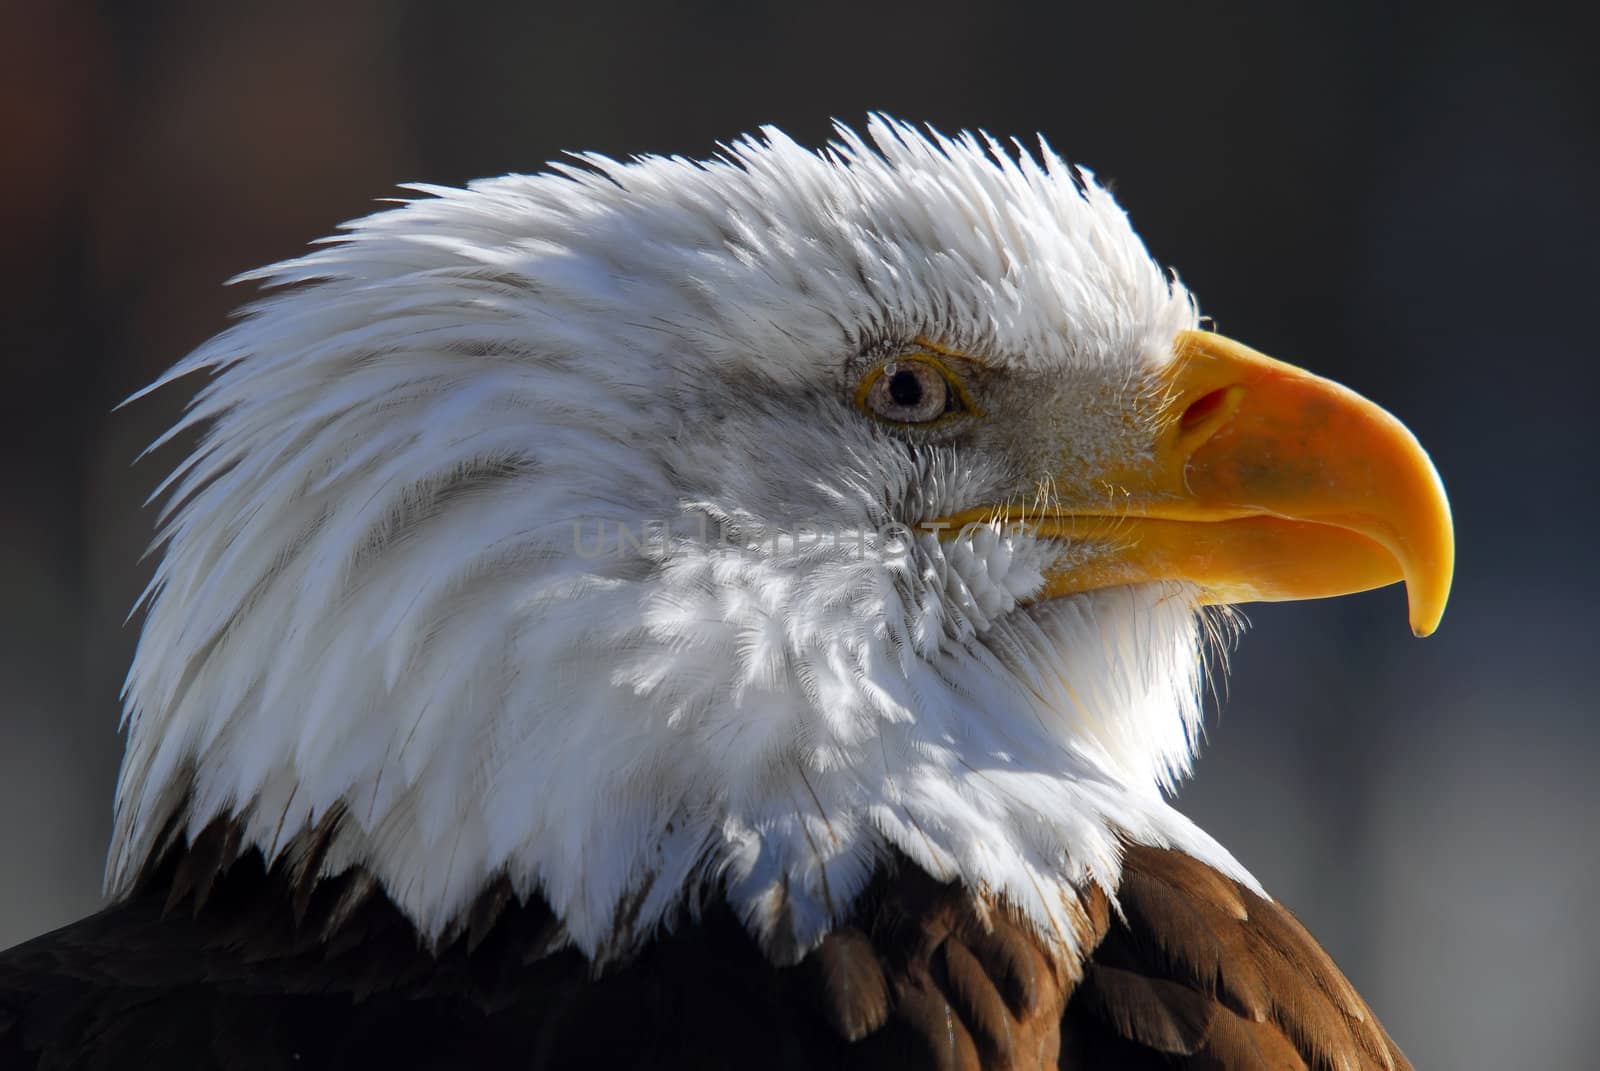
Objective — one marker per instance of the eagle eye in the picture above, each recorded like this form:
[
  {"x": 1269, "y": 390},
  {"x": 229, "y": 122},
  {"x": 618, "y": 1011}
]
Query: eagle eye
[{"x": 912, "y": 389}]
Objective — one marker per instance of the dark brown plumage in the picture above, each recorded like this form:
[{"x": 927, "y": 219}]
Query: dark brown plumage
[{"x": 217, "y": 962}]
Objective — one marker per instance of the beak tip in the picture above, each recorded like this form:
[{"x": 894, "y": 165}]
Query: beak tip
[{"x": 1426, "y": 614}]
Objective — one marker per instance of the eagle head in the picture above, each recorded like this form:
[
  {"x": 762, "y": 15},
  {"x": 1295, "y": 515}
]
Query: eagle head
[{"x": 642, "y": 532}]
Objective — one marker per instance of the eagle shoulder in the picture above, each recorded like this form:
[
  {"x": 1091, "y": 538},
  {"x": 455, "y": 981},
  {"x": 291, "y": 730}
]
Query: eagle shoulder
[
  {"x": 1198, "y": 971},
  {"x": 219, "y": 961},
  {"x": 1188, "y": 969}
]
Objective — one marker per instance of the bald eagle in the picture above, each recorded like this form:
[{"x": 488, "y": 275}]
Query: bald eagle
[{"x": 731, "y": 613}]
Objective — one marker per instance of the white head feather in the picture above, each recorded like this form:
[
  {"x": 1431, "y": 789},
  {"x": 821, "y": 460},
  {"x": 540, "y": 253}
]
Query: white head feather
[{"x": 384, "y": 591}]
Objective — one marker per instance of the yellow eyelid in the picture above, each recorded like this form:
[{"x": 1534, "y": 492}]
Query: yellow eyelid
[
  {"x": 927, "y": 356},
  {"x": 939, "y": 348}
]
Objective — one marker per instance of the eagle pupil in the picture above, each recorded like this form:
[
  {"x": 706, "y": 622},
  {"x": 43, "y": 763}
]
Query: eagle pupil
[{"x": 905, "y": 388}]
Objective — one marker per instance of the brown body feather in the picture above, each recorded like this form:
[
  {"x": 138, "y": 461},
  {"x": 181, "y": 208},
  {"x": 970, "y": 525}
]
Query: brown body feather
[{"x": 217, "y": 962}]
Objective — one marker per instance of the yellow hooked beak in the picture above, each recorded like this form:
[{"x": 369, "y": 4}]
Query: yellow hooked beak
[{"x": 1268, "y": 484}]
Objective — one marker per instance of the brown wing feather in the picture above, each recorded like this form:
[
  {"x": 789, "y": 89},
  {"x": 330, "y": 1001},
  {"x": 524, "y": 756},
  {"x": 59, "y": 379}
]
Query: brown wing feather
[
  {"x": 970, "y": 986},
  {"x": 1236, "y": 1042},
  {"x": 1187, "y": 934},
  {"x": 1168, "y": 1017}
]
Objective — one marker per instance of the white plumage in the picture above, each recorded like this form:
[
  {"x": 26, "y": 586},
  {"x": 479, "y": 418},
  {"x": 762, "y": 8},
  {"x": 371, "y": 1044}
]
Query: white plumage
[{"x": 380, "y": 591}]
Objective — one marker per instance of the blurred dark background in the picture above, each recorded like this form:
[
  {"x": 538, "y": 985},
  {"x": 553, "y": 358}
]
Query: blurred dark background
[{"x": 1402, "y": 198}]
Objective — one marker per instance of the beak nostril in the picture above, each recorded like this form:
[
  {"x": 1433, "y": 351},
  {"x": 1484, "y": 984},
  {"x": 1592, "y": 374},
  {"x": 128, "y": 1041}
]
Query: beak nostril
[{"x": 1203, "y": 409}]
